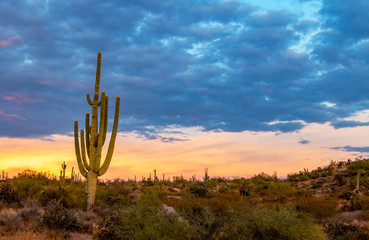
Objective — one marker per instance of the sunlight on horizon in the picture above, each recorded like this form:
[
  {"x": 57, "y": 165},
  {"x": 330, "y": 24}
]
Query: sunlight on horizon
[{"x": 224, "y": 154}]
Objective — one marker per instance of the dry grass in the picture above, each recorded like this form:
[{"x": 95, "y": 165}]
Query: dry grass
[{"x": 43, "y": 236}]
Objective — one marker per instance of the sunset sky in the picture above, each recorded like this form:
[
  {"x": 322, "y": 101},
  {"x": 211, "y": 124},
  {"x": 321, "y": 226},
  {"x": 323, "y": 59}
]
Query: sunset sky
[{"x": 239, "y": 87}]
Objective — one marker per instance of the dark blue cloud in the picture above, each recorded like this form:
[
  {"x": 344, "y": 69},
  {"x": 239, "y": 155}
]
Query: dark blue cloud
[
  {"x": 304, "y": 141},
  {"x": 219, "y": 65},
  {"x": 345, "y": 124},
  {"x": 353, "y": 149}
]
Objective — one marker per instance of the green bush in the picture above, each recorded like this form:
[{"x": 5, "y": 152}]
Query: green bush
[
  {"x": 318, "y": 207},
  {"x": 8, "y": 195},
  {"x": 340, "y": 179},
  {"x": 51, "y": 194},
  {"x": 57, "y": 217},
  {"x": 344, "y": 231},
  {"x": 114, "y": 194},
  {"x": 359, "y": 202},
  {"x": 279, "y": 191},
  {"x": 269, "y": 224},
  {"x": 317, "y": 184},
  {"x": 224, "y": 189},
  {"x": 144, "y": 220},
  {"x": 358, "y": 166},
  {"x": 199, "y": 189},
  {"x": 205, "y": 218},
  {"x": 28, "y": 187}
]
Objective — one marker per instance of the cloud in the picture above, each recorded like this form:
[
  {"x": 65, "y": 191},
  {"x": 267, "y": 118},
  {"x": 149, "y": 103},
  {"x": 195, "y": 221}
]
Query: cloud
[
  {"x": 352, "y": 149},
  {"x": 11, "y": 42},
  {"x": 8, "y": 116},
  {"x": 304, "y": 141},
  {"x": 345, "y": 124},
  {"x": 222, "y": 66},
  {"x": 18, "y": 98}
]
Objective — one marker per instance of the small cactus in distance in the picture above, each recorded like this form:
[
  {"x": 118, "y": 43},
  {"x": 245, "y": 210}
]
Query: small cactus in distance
[
  {"x": 62, "y": 172},
  {"x": 72, "y": 175},
  {"x": 206, "y": 175},
  {"x": 95, "y": 136}
]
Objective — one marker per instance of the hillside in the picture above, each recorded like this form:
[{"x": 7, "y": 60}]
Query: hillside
[{"x": 330, "y": 202}]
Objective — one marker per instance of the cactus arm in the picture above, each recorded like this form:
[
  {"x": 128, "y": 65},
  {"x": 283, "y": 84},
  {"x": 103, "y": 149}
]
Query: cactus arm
[
  {"x": 88, "y": 134},
  {"x": 109, "y": 154},
  {"x": 78, "y": 152},
  {"x": 88, "y": 99},
  {"x": 106, "y": 119},
  {"x": 101, "y": 133},
  {"x": 85, "y": 164},
  {"x": 98, "y": 72}
]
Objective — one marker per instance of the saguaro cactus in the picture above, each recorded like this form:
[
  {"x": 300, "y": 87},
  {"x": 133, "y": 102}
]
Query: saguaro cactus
[
  {"x": 95, "y": 138},
  {"x": 206, "y": 177},
  {"x": 62, "y": 172},
  {"x": 72, "y": 175}
]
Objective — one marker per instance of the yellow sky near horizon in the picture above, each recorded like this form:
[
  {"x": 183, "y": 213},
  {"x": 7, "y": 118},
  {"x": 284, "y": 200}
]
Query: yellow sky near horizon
[{"x": 224, "y": 154}]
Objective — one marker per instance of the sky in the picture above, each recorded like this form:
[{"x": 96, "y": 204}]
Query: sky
[{"x": 238, "y": 87}]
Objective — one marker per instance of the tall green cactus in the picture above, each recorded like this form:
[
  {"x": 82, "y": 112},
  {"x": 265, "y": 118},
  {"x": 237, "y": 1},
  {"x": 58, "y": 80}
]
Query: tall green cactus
[
  {"x": 62, "y": 172},
  {"x": 95, "y": 138}
]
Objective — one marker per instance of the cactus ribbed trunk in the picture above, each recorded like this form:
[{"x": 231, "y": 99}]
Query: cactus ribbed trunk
[
  {"x": 95, "y": 135},
  {"x": 91, "y": 188}
]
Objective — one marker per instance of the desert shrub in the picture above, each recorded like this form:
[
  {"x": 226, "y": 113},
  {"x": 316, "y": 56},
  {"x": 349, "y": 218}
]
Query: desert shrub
[
  {"x": 270, "y": 224},
  {"x": 144, "y": 220},
  {"x": 304, "y": 177},
  {"x": 278, "y": 191},
  {"x": 358, "y": 166},
  {"x": 179, "y": 181},
  {"x": 317, "y": 184},
  {"x": 262, "y": 182},
  {"x": 8, "y": 195},
  {"x": 318, "y": 207},
  {"x": 139, "y": 223},
  {"x": 148, "y": 182},
  {"x": 203, "y": 218},
  {"x": 77, "y": 195},
  {"x": 117, "y": 195},
  {"x": 340, "y": 179},
  {"x": 10, "y": 221},
  {"x": 292, "y": 177},
  {"x": 199, "y": 189},
  {"x": 31, "y": 216},
  {"x": 344, "y": 231},
  {"x": 87, "y": 220},
  {"x": 359, "y": 202},
  {"x": 220, "y": 218},
  {"x": 345, "y": 195},
  {"x": 223, "y": 189},
  {"x": 245, "y": 188},
  {"x": 57, "y": 217},
  {"x": 212, "y": 182},
  {"x": 28, "y": 187},
  {"x": 51, "y": 194},
  {"x": 303, "y": 193},
  {"x": 364, "y": 181},
  {"x": 207, "y": 217}
]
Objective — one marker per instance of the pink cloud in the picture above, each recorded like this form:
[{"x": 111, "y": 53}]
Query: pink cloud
[
  {"x": 63, "y": 83},
  {"x": 17, "y": 98},
  {"x": 7, "y": 115},
  {"x": 11, "y": 42}
]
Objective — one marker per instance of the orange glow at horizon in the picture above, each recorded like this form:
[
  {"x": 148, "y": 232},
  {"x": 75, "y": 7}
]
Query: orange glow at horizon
[{"x": 224, "y": 154}]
